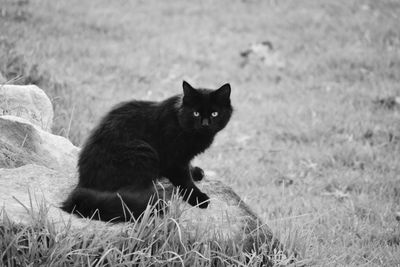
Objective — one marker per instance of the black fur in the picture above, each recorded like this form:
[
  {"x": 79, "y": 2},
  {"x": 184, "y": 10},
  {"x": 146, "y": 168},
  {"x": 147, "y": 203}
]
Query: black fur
[{"x": 140, "y": 141}]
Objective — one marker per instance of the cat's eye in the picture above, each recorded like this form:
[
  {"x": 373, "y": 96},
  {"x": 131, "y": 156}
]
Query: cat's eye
[
  {"x": 196, "y": 114},
  {"x": 214, "y": 114}
]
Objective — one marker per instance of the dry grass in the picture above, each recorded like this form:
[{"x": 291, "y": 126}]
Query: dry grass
[
  {"x": 317, "y": 120},
  {"x": 151, "y": 241}
]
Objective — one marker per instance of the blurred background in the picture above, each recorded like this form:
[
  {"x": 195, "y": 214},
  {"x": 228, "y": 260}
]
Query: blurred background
[{"x": 314, "y": 143}]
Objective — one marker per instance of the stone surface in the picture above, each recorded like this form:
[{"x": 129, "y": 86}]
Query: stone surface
[
  {"x": 28, "y": 102},
  {"x": 22, "y": 143},
  {"x": 26, "y": 189},
  {"x": 226, "y": 215}
]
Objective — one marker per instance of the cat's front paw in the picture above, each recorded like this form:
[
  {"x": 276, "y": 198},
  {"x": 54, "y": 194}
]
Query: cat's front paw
[
  {"x": 201, "y": 200},
  {"x": 197, "y": 174}
]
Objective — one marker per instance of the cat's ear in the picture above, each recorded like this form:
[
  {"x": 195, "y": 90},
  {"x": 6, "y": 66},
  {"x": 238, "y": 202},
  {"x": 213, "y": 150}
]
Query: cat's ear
[
  {"x": 223, "y": 94},
  {"x": 189, "y": 94},
  {"x": 188, "y": 90}
]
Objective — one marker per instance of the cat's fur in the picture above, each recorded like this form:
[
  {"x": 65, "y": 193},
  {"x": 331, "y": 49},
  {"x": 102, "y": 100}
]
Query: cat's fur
[{"x": 140, "y": 141}]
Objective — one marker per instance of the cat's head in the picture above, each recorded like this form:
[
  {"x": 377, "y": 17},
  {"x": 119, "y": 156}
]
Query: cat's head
[{"x": 205, "y": 110}]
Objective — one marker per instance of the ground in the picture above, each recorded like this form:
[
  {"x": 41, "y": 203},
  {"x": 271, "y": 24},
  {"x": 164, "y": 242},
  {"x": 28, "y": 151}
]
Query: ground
[{"x": 314, "y": 142}]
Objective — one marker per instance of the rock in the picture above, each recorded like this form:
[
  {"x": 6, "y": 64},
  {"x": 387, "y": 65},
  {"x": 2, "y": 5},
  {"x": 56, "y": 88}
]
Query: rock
[
  {"x": 22, "y": 143},
  {"x": 227, "y": 215},
  {"x": 31, "y": 189},
  {"x": 26, "y": 189},
  {"x": 28, "y": 102}
]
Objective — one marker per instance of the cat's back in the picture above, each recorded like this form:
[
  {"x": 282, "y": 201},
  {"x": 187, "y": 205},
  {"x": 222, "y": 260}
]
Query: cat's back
[
  {"x": 133, "y": 108},
  {"x": 135, "y": 119},
  {"x": 131, "y": 117}
]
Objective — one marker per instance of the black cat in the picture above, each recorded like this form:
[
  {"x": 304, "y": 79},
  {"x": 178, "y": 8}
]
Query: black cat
[{"x": 141, "y": 141}]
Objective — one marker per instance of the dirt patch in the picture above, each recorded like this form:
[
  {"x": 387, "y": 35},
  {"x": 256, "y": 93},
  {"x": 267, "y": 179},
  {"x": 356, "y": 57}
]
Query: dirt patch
[{"x": 390, "y": 102}]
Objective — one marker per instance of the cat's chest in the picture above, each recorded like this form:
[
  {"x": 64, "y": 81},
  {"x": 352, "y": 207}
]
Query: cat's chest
[
  {"x": 184, "y": 148},
  {"x": 196, "y": 145}
]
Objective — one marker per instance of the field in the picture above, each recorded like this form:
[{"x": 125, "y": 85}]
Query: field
[{"x": 314, "y": 143}]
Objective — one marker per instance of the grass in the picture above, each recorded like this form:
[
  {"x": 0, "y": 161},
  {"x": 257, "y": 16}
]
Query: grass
[
  {"x": 151, "y": 241},
  {"x": 318, "y": 121}
]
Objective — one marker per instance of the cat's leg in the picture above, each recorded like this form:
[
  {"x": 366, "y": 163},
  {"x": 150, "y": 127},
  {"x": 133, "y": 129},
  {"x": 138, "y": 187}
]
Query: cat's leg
[
  {"x": 180, "y": 176},
  {"x": 197, "y": 173}
]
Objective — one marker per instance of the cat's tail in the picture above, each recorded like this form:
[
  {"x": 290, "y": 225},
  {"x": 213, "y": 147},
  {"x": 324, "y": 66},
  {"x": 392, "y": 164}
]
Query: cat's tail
[{"x": 108, "y": 206}]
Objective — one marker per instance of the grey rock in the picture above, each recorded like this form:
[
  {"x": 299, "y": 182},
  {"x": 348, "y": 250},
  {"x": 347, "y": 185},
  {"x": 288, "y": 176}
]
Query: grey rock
[
  {"x": 22, "y": 143},
  {"x": 30, "y": 190},
  {"x": 28, "y": 102}
]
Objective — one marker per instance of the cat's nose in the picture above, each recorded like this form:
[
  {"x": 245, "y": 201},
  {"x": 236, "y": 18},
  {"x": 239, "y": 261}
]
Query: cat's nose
[{"x": 205, "y": 122}]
